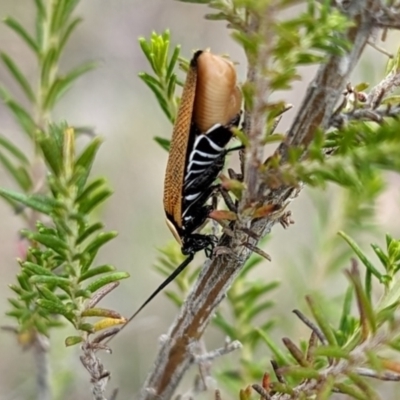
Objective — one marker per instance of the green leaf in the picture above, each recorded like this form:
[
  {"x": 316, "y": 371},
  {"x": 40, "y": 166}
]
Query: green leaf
[
  {"x": 224, "y": 325},
  {"x": 49, "y": 295},
  {"x": 91, "y": 188},
  {"x": 100, "y": 241},
  {"x": 50, "y": 241},
  {"x": 20, "y": 174},
  {"x": 171, "y": 89},
  {"x": 241, "y": 136},
  {"x": 96, "y": 271},
  {"x": 174, "y": 297},
  {"x": 363, "y": 385},
  {"x": 16, "y": 313},
  {"x": 51, "y": 280},
  {"x": 14, "y": 150},
  {"x": 89, "y": 231},
  {"x": 52, "y": 152},
  {"x": 105, "y": 280},
  {"x": 21, "y": 115},
  {"x": 213, "y": 17},
  {"x": 251, "y": 263},
  {"x": 16, "y": 303},
  {"x": 332, "y": 352},
  {"x": 23, "y": 280},
  {"x": 98, "y": 198},
  {"x": 56, "y": 308},
  {"x": 40, "y": 23},
  {"x": 274, "y": 138},
  {"x": 390, "y": 298},
  {"x": 302, "y": 373},
  {"x": 279, "y": 356},
  {"x": 19, "y": 76},
  {"x": 61, "y": 12},
  {"x": 37, "y": 202},
  {"x": 381, "y": 255},
  {"x": 86, "y": 327},
  {"x": 67, "y": 33},
  {"x": 28, "y": 296},
  {"x": 63, "y": 83},
  {"x": 393, "y": 253},
  {"x": 101, "y": 312},
  {"x": 164, "y": 143},
  {"x": 361, "y": 255},
  {"x": 160, "y": 97},
  {"x": 35, "y": 269},
  {"x": 172, "y": 62},
  {"x": 256, "y": 289},
  {"x": 368, "y": 285},
  {"x": 20, "y": 30},
  {"x": 17, "y": 289},
  {"x": 85, "y": 161},
  {"x": 388, "y": 238},
  {"x": 57, "y": 10},
  {"x": 73, "y": 340},
  {"x": 253, "y": 311},
  {"x": 150, "y": 80},
  {"x": 346, "y": 310},
  {"x": 146, "y": 49},
  {"x": 320, "y": 317},
  {"x": 195, "y": 1},
  {"x": 86, "y": 294}
]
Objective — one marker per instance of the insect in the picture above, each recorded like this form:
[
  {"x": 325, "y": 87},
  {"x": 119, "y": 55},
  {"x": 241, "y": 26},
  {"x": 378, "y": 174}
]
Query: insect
[{"x": 210, "y": 106}]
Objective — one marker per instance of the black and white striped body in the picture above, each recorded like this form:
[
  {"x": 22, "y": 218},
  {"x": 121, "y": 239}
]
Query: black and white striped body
[{"x": 205, "y": 162}]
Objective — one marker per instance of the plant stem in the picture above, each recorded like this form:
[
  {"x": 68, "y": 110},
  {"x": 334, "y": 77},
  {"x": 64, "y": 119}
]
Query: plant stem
[
  {"x": 41, "y": 346},
  {"x": 41, "y": 358}
]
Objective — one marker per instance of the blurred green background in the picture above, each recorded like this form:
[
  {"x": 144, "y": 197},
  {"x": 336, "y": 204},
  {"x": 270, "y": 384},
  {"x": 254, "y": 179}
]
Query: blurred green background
[{"x": 114, "y": 101}]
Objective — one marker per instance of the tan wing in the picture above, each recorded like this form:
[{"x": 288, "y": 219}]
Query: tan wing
[
  {"x": 176, "y": 165},
  {"x": 218, "y": 99}
]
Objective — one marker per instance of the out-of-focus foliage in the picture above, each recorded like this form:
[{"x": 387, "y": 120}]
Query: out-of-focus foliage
[
  {"x": 60, "y": 259},
  {"x": 61, "y": 236}
]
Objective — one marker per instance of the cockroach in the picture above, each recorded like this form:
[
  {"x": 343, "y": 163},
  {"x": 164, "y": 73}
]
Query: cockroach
[{"x": 209, "y": 109}]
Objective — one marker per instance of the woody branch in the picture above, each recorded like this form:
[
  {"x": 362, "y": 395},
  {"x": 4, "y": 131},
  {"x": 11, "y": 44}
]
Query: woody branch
[{"x": 176, "y": 355}]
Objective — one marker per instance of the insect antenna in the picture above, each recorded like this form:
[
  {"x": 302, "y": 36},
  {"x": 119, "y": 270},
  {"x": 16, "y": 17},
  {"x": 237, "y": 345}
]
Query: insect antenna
[{"x": 167, "y": 281}]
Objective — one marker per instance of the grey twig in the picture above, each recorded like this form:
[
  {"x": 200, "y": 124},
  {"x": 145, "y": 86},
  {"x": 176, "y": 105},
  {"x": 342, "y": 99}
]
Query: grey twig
[
  {"x": 380, "y": 49},
  {"x": 261, "y": 391},
  {"x": 41, "y": 358},
  {"x": 255, "y": 119},
  {"x": 204, "y": 378},
  {"x": 383, "y": 376},
  {"x": 387, "y": 17},
  {"x": 386, "y": 86},
  {"x": 99, "y": 375},
  {"x": 212, "y": 355},
  {"x": 341, "y": 119},
  {"x": 278, "y": 374},
  {"x": 311, "y": 325},
  {"x": 99, "y": 294}
]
